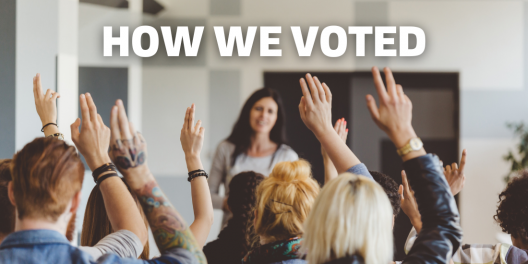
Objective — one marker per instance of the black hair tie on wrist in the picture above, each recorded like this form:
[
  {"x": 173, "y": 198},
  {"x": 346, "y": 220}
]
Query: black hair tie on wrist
[
  {"x": 42, "y": 130},
  {"x": 197, "y": 173},
  {"x": 104, "y": 168},
  {"x": 106, "y": 176}
]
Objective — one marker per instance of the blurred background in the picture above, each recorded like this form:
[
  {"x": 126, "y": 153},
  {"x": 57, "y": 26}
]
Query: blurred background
[{"x": 467, "y": 85}]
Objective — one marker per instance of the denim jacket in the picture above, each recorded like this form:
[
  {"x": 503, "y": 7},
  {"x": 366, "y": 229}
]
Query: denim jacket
[{"x": 49, "y": 246}]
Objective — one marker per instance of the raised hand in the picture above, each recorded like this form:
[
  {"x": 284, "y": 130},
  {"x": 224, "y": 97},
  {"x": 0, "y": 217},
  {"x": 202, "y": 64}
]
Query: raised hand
[
  {"x": 128, "y": 148},
  {"x": 316, "y": 105},
  {"x": 408, "y": 203},
  {"x": 316, "y": 112},
  {"x": 330, "y": 169},
  {"x": 394, "y": 114},
  {"x": 94, "y": 138},
  {"x": 192, "y": 137},
  {"x": 455, "y": 176},
  {"x": 46, "y": 105},
  {"x": 342, "y": 131}
]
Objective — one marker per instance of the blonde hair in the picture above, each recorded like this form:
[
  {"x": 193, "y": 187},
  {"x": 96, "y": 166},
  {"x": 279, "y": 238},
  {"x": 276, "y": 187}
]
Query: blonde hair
[
  {"x": 284, "y": 200},
  {"x": 351, "y": 216}
]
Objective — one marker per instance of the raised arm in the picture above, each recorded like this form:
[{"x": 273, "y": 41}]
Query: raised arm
[
  {"x": 93, "y": 143},
  {"x": 455, "y": 178},
  {"x": 316, "y": 112},
  {"x": 440, "y": 235},
  {"x": 191, "y": 138},
  {"x": 330, "y": 169},
  {"x": 46, "y": 104},
  {"x": 173, "y": 236}
]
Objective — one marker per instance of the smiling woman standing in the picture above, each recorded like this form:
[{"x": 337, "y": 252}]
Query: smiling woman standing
[{"x": 256, "y": 143}]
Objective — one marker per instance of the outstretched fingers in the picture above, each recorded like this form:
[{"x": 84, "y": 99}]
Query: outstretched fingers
[
  {"x": 114, "y": 124},
  {"x": 308, "y": 101},
  {"x": 391, "y": 83},
  {"x": 190, "y": 121},
  {"x": 313, "y": 88},
  {"x": 123, "y": 121},
  {"x": 92, "y": 108},
  {"x": 85, "y": 111},
  {"x": 463, "y": 160},
  {"x": 320, "y": 89},
  {"x": 378, "y": 82}
]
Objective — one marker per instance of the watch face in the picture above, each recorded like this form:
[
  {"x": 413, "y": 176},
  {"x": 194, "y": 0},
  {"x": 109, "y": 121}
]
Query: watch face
[{"x": 416, "y": 144}]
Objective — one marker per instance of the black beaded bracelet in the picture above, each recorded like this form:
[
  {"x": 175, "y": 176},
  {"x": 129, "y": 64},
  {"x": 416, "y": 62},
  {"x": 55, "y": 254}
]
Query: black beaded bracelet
[
  {"x": 197, "y": 173},
  {"x": 104, "y": 168},
  {"x": 42, "y": 130},
  {"x": 104, "y": 177}
]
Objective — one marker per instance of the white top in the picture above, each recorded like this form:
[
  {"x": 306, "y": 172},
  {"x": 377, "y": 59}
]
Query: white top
[
  {"x": 222, "y": 172},
  {"x": 123, "y": 243}
]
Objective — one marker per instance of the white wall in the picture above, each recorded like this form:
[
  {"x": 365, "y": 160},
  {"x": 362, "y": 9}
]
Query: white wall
[{"x": 483, "y": 40}]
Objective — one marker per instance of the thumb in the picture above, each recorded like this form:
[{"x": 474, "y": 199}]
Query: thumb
[
  {"x": 302, "y": 108},
  {"x": 75, "y": 130},
  {"x": 373, "y": 108},
  {"x": 400, "y": 192}
]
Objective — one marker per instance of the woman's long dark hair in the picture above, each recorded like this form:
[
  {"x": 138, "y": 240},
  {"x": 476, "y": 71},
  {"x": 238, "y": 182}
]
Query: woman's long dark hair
[
  {"x": 242, "y": 131},
  {"x": 241, "y": 201}
]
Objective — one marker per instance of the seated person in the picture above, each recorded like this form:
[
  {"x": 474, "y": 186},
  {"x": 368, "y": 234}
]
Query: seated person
[
  {"x": 7, "y": 217},
  {"x": 356, "y": 216},
  {"x": 284, "y": 200},
  {"x": 512, "y": 216},
  {"x": 47, "y": 178},
  {"x": 96, "y": 224},
  {"x": 232, "y": 243},
  {"x": 387, "y": 183},
  {"x": 128, "y": 226}
]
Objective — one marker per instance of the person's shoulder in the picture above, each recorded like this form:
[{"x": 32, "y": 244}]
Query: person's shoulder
[
  {"x": 226, "y": 146},
  {"x": 287, "y": 153},
  {"x": 171, "y": 256}
]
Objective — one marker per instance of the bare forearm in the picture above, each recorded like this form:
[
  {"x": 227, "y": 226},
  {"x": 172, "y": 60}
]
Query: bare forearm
[
  {"x": 167, "y": 225},
  {"x": 203, "y": 210},
  {"x": 330, "y": 170},
  {"x": 342, "y": 157},
  {"x": 202, "y": 203},
  {"x": 121, "y": 208}
]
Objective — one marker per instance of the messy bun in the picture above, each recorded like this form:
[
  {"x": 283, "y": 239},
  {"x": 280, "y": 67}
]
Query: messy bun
[{"x": 284, "y": 200}]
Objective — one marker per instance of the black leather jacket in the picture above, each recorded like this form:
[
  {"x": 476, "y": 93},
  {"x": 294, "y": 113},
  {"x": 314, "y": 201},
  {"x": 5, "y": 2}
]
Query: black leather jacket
[
  {"x": 441, "y": 234},
  {"x": 441, "y": 231}
]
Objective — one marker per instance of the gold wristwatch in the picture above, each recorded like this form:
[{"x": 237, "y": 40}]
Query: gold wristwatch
[
  {"x": 57, "y": 135},
  {"x": 413, "y": 145}
]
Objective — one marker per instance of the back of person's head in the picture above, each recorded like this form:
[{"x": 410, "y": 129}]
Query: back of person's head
[
  {"x": 46, "y": 173},
  {"x": 512, "y": 212},
  {"x": 7, "y": 217},
  {"x": 284, "y": 200},
  {"x": 391, "y": 189},
  {"x": 241, "y": 202},
  {"x": 242, "y": 189},
  {"x": 96, "y": 224},
  {"x": 351, "y": 216}
]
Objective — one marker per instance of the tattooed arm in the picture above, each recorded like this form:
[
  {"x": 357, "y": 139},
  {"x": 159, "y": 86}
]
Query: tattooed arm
[{"x": 129, "y": 153}]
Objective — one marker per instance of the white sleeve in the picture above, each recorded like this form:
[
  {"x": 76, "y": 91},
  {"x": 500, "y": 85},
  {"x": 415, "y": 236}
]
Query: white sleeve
[
  {"x": 410, "y": 240},
  {"x": 123, "y": 243}
]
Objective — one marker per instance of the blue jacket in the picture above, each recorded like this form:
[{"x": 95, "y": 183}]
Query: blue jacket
[{"x": 48, "y": 246}]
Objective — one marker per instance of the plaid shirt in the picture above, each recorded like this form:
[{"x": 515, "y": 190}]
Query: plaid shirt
[{"x": 481, "y": 253}]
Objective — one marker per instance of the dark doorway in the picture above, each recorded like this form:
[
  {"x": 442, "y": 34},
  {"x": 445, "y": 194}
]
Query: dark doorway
[
  {"x": 435, "y": 98},
  {"x": 106, "y": 85}
]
